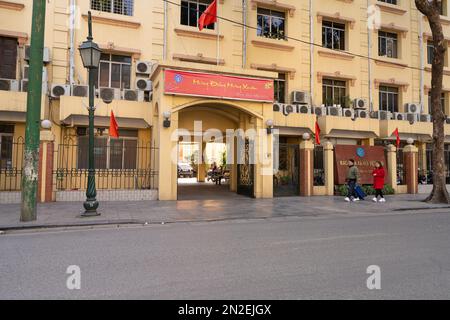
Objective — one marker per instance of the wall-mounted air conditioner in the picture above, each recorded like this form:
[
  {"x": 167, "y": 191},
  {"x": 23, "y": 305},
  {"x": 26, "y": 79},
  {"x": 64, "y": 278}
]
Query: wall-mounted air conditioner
[
  {"x": 301, "y": 97},
  {"x": 80, "y": 90},
  {"x": 144, "y": 67},
  {"x": 399, "y": 116},
  {"x": 304, "y": 109},
  {"x": 360, "y": 103},
  {"x": 9, "y": 85},
  {"x": 334, "y": 111},
  {"x": 425, "y": 118},
  {"x": 133, "y": 95},
  {"x": 46, "y": 57},
  {"x": 413, "y": 108},
  {"x": 288, "y": 109},
  {"x": 412, "y": 117},
  {"x": 361, "y": 113},
  {"x": 144, "y": 84},
  {"x": 58, "y": 90},
  {"x": 24, "y": 85},
  {"x": 109, "y": 94},
  {"x": 349, "y": 113},
  {"x": 319, "y": 111}
]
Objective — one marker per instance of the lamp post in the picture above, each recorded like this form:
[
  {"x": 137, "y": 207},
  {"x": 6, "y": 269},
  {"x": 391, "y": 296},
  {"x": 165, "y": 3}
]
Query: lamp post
[{"x": 90, "y": 54}]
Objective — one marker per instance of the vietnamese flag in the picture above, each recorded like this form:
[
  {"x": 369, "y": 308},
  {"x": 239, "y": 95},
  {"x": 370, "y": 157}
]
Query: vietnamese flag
[
  {"x": 395, "y": 133},
  {"x": 317, "y": 133},
  {"x": 113, "y": 127},
  {"x": 209, "y": 16}
]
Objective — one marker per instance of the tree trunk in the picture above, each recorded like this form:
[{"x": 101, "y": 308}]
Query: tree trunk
[{"x": 431, "y": 9}]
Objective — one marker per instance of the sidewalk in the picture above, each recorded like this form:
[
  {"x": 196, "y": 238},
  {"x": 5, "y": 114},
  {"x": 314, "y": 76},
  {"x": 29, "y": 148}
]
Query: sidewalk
[{"x": 67, "y": 214}]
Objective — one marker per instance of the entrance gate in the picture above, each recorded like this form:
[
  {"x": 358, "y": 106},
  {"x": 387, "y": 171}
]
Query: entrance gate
[
  {"x": 245, "y": 171},
  {"x": 286, "y": 178}
]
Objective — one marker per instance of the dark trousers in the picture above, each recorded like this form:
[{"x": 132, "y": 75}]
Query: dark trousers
[
  {"x": 379, "y": 193},
  {"x": 351, "y": 188}
]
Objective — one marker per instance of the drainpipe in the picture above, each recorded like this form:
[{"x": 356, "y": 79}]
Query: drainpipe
[
  {"x": 422, "y": 63},
  {"x": 244, "y": 36},
  {"x": 165, "y": 31},
  {"x": 72, "y": 42},
  {"x": 369, "y": 61},
  {"x": 311, "y": 50}
]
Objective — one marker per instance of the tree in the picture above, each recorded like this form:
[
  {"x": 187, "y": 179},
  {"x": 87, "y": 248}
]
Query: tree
[{"x": 432, "y": 9}]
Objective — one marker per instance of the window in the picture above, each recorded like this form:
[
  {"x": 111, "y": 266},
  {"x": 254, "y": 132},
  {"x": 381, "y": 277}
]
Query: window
[
  {"x": 387, "y": 44},
  {"x": 109, "y": 153},
  {"x": 191, "y": 10},
  {"x": 334, "y": 92},
  {"x": 8, "y": 57},
  {"x": 271, "y": 24},
  {"x": 333, "y": 35},
  {"x": 114, "y": 72},
  {"x": 6, "y": 146},
  {"x": 443, "y": 102},
  {"x": 319, "y": 167},
  {"x": 389, "y": 98},
  {"x": 124, "y": 7},
  {"x": 389, "y": 1},
  {"x": 280, "y": 88},
  {"x": 430, "y": 54}
]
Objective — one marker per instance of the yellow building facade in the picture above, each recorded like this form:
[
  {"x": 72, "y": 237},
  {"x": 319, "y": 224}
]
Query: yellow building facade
[{"x": 359, "y": 68}]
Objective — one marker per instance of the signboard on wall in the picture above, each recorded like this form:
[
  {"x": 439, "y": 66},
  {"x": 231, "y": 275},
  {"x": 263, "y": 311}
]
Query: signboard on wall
[
  {"x": 365, "y": 157},
  {"x": 218, "y": 86}
]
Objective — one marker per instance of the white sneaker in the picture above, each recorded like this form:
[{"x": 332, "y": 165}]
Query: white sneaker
[
  {"x": 382, "y": 200},
  {"x": 375, "y": 200},
  {"x": 356, "y": 199},
  {"x": 347, "y": 199}
]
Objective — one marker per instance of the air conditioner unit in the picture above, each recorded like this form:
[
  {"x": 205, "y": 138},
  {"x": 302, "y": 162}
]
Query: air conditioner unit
[
  {"x": 109, "y": 94},
  {"x": 334, "y": 111},
  {"x": 412, "y": 117},
  {"x": 143, "y": 84},
  {"x": 300, "y": 97},
  {"x": 399, "y": 116},
  {"x": 363, "y": 114},
  {"x": 425, "y": 118},
  {"x": 360, "y": 103},
  {"x": 26, "y": 71},
  {"x": 277, "y": 107},
  {"x": 133, "y": 95},
  {"x": 304, "y": 109},
  {"x": 24, "y": 85},
  {"x": 144, "y": 67},
  {"x": 58, "y": 90},
  {"x": 9, "y": 85},
  {"x": 288, "y": 109},
  {"x": 381, "y": 115},
  {"x": 349, "y": 113},
  {"x": 413, "y": 108},
  {"x": 319, "y": 111},
  {"x": 46, "y": 56},
  {"x": 447, "y": 120},
  {"x": 80, "y": 90}
]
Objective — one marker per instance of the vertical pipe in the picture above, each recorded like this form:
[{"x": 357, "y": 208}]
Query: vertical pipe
[
  {"x": 72, "y": 42},
  {"x": 311, "y": 50},
  {"x": 32, "y": 136},
  {"x": 422, "y": 62},
  {"x": 369, "y": 58},
  {"x": 244, "y": 36},
  {"x": 165, "y": 31}
]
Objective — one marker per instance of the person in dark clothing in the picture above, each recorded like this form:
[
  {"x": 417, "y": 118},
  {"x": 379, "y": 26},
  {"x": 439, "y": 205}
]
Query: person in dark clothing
[{"x": 352, "y": 180}]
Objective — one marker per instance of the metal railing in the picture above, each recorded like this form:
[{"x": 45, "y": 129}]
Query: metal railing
[{"x": 11, "y": 165}]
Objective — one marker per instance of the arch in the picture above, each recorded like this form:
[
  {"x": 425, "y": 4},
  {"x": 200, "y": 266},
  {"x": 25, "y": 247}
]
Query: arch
[{"x": 212, "y": 101}]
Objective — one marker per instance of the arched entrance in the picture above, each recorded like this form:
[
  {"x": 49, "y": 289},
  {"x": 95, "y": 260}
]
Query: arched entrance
[{"x": 215, "y": 151}]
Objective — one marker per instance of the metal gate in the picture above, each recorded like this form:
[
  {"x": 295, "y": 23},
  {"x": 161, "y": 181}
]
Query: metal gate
[
  {"x": 245, "y": 171},
  {"x": 287, "y": 170}
]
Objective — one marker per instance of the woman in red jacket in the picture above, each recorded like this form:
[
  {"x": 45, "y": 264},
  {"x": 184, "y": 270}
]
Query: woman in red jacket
[{"x": 378, "y": 181}]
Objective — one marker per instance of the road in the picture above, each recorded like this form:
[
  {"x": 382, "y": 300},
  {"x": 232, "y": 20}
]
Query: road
[{"x": 280, "y": 258}]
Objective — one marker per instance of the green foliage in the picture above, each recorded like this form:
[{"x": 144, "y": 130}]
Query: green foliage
[{"x": 342, "y": 190}]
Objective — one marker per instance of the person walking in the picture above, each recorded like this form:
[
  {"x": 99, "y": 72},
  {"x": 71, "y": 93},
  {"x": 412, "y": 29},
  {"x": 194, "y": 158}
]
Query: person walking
[
  {"x": 352, "y": 180},
  {"x": 378, "y": 181}
]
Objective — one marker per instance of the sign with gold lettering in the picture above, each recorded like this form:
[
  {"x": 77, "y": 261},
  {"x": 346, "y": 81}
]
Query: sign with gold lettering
[
  {"x": 218, "y": 86},
  {"x": 365, "y": 157}
]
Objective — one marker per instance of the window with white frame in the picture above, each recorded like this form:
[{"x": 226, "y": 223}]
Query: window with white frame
[
  {"x": 280, "y": 88},
  {"x": 124, "y": 7},
  {"x": 334, "y": 92},
  {"x": 271, "y": 24},
  {"x": 114, "y": 71},
  {"x": 389, "y": 98},
  {"x": 191, "y": 11},
  {"x": 443, "y": 102},
  {"x": 333, "y": 35},
  {"x": 387, "y": 44}
]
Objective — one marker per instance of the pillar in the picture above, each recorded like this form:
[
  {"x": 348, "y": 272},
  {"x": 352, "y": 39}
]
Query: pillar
[
  {"x": 392, "y": 166},
  {"x": 328, "y": 159},
  {"x": 202, "y": 166},
  {"x": 411, "y": 164},
  {"x": 168, "y": 158},
  {"x": 46, "y": 161},
  {"x": 306, "y": 168}
]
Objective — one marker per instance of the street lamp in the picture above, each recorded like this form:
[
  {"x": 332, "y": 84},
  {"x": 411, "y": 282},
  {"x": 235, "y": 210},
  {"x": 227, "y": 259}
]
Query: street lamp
[{"x": 90, "y": 55}]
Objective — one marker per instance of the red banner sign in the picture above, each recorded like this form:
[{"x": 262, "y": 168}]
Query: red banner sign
[
  {"x": 218, "y": 86},
  {"x": 365, "y": 158}
]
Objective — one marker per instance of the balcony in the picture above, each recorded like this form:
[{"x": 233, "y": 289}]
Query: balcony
[
  {"x": 418, "y": 130},
  {"x": 347, "y": 127},
  {"x": 13, "y": 106},
  {"x": 129, "y": 114}
]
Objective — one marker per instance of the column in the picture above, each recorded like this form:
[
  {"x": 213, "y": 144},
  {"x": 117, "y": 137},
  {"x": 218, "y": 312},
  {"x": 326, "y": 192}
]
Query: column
[
  {"x": 202, "y": 166},
  {"x": 46, "y": 161},
  {"x": 391, "y": 166},
  {"x": 168, "y": 158},
  {"x": 306, "y": 168},
  {"x": 411, "y": 164},
  {"x": 328, "y": 162}
]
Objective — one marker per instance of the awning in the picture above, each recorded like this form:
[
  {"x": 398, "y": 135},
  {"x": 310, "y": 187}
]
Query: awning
[
  {"x": 13, "y": 116},
  {"x": 101, "y": 121},
  {"x": 337, "y": 133},
  {"x": 292, "y": 131}
]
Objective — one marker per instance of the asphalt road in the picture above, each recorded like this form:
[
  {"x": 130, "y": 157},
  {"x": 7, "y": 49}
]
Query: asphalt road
[{"x": 281, "y": 258}]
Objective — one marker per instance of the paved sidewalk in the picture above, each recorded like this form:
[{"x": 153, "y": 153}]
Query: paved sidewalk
[{"x": 157, "y": 212}]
